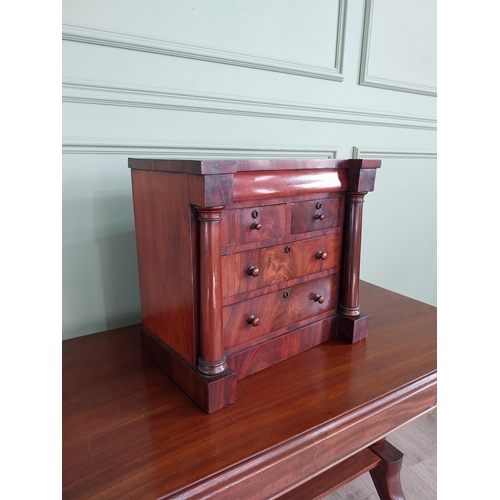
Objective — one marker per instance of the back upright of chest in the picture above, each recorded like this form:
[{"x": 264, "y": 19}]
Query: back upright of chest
[{"x": 244, "y": 263}]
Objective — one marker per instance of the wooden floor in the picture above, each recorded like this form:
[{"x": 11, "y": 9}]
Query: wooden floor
[{"x": 418, "y": 441}]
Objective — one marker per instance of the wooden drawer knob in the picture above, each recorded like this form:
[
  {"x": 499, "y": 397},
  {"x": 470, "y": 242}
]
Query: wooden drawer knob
[
  {"x": 253, "y": 271},
  {"x": 252, "y": 320},
  {"x": 319, "y": 298},
  {"x": 321, "y": 255},
  {"x": 320, "y": 216},
  {"x": 257, "y": 226}
]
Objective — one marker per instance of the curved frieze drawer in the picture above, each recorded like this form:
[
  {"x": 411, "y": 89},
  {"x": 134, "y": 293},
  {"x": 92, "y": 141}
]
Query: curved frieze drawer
[
  {"x": 316, "y": 215},
  {"x": 251, "y": 270},
  {"x": 253, "y": 224},
  {"x": 253, "y": 318}
]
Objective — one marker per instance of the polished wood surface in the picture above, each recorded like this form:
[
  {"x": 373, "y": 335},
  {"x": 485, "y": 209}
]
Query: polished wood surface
[
  {"x": 253, "y": 224},
  {"x": 276, "y": 349},
  {"x": 316, "y": 215},
  {"x": 213, "y": 167},
  {"x": 167, "y": 279},
  {"x": 130, "y": 432},
  {"x": 279, "y": 263},
  {"x": 349, "y": 296},
  {"x": 244, "y": 207},
  {"x": 212, "y": 360},
  {"x": 382, "y": 460},
  {"x": 264, "y": 184},
  {"x": 280, "y": 309}
]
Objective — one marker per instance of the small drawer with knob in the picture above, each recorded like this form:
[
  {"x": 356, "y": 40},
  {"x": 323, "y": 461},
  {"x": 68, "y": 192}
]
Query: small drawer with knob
[
  {"x": 266, "y": 313},
  {"x": 316, "y": 215},
  {"x": 254, "y": 269},
  {"x": 253, "y": 224}
]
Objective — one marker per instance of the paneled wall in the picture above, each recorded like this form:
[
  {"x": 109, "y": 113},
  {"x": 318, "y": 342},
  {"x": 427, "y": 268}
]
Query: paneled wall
[{"x": 239, "y": 78}]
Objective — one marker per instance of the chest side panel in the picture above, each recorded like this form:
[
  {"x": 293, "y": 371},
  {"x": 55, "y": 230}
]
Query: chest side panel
[{"x": 163, "y": 222}]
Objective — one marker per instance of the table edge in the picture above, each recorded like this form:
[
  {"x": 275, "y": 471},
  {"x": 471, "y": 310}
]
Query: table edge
[{"x": 286, "y": 465}]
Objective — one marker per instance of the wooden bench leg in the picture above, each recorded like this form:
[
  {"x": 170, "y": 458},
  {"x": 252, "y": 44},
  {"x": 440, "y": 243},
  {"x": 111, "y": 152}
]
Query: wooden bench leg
[{"x": 386, "y": 475}]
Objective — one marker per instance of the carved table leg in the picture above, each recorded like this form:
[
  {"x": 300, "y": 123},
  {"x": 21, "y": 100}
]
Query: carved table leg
[{"x": 386, "y": 475}]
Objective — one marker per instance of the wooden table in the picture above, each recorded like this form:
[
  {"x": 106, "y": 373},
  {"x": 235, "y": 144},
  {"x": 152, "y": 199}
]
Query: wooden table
[{"x": 308, "y": 424}]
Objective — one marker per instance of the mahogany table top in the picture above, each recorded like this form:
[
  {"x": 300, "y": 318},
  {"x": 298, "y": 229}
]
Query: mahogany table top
[{"x": 130, "y": 432}]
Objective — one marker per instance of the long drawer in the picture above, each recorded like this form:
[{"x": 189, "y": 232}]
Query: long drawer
[
  {"x": 246, "y": 271},
  {"x": 253, "y": 318}
]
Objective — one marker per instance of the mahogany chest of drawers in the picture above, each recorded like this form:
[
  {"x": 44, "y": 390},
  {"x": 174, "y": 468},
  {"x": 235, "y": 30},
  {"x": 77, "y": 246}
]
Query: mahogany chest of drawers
[{"x": 244, "y": 263}]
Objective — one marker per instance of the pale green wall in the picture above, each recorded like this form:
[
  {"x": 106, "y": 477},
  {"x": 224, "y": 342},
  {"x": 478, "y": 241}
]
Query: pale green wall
[{"x": 271, "y": 81}]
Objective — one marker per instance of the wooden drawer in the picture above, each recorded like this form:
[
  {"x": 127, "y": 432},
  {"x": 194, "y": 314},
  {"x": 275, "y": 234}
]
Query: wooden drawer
[
  {"x": 258, "y": 268},
  {"x": 316, "y": 215},
  {"x": 253, "y": 224},
  {"x": 277, "y": 310}
]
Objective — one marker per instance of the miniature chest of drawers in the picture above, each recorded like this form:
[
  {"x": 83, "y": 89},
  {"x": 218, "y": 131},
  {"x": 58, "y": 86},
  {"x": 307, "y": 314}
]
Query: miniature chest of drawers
[{"x": 244, "y": 263}]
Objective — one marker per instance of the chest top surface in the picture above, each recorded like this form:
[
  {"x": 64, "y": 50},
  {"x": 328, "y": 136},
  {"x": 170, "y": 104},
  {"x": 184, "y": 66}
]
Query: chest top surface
[{"x": 214, "y": 166}]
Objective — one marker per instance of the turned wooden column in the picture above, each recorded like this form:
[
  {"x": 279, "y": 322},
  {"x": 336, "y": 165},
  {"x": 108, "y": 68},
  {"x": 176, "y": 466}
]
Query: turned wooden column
[
  {"x": 352, "y": 325},
  {"x": 349, "y": 295},
  {"x": 212, "y": 360}
]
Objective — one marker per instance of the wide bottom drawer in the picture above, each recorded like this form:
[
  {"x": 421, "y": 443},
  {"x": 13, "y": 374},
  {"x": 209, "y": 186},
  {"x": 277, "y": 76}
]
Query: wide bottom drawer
[{"x": 261, "y": 315}]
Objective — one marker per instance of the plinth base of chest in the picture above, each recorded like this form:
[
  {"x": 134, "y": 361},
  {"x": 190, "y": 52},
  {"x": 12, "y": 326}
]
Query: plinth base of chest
[
  {"x": 265, "y": 354},
  {"x": 212, "y": 393}
]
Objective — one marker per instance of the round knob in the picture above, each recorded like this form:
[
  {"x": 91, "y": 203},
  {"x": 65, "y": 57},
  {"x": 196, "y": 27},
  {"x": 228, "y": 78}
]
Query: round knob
[
  {"x": 319, "y": 216},
  {"x": 321, "y": 255},
  {"x": 257, "y": 226},
  {"x": 253, "y": 271},
  {"x": 319, "y": 298},
  {"x": 252, "y": 320}
]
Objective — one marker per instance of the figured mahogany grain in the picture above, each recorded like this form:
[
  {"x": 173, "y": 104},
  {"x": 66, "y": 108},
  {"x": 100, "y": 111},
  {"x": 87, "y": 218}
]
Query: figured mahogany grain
[
  {"x": 130, "y": 433},
  {"x": 278, "y": 309},
  {"x": 210, "y": 191},
  {"x": 245, "y": 361},
  {"x": 278, "y": 263}
]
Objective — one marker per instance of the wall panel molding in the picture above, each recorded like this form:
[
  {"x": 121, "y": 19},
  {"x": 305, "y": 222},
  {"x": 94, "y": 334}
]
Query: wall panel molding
[
  {"x": 192, "y": 151},
  {"x": 84, "y": 34},
  {"x": 368, "y": 80},
  {"x": 359, "y": 153},
  {"x": 136, "y": 96}
]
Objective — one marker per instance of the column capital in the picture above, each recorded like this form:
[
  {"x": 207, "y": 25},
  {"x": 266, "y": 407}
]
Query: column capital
[{"x": 209, "y": 213}]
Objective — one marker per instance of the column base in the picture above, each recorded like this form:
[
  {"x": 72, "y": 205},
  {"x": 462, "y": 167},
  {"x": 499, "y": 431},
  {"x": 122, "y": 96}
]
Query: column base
[
  {"x": 352, "y": 329},
  {"x": 212, "y": 368},
  {"x": 210, "y": 392}
]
